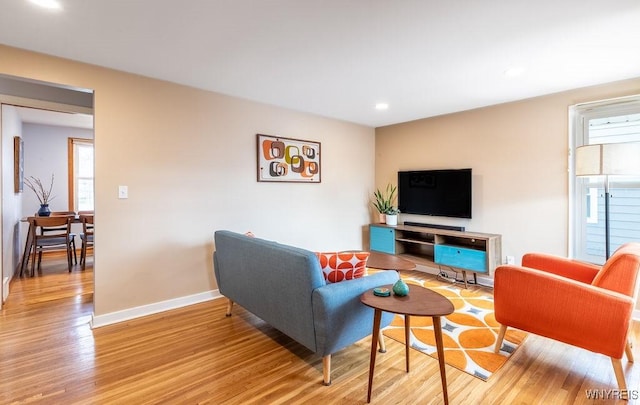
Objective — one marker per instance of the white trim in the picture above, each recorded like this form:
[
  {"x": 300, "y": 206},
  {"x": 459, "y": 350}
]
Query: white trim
[
  {"x": 636, "y": 315},
  {"x": 5, "y": 289},
  {"x": 588, "y": 105},
  {"x": 98, "y": 321},
  {"x": 579, "y": 135},
  {"x": 44, "y": 105}
]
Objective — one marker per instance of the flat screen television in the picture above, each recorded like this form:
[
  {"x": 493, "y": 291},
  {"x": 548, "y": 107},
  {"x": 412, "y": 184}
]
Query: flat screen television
[{"x": 444, "y": 193}]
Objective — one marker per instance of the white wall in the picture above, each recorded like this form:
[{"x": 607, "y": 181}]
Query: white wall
[
  {"x": 11, "y": 126},
  {"x": 45, "y": 154}
]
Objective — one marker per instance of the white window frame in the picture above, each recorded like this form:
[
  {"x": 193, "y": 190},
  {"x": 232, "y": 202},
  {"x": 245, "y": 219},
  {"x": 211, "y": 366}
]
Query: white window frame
[
  {"x": 72, "y": 145},
  {"x": 579, "y": 117}
]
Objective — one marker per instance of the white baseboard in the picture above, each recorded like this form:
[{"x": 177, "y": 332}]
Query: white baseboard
[
  {"x": 137, "y": 312},
  {"x": 150, "y": 309},
  {"x": 5, "y": 288}
]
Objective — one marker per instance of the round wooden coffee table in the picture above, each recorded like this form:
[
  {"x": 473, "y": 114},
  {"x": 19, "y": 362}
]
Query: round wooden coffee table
[
  {"x": 385, "y": 261},
  {"x": 420, "y": 302}
]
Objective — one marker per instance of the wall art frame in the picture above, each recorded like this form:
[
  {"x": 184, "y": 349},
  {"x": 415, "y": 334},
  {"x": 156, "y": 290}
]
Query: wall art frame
[
  {"x": 291, "y": 160},
  {"x": 18, "y": 164}
]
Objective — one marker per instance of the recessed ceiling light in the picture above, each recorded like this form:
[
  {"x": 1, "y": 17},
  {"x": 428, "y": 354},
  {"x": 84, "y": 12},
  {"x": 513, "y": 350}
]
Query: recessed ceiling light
[
  {"x": 513, "y": 71},
  {"x": 382, "y": 106},
  {"x": 50, "y": 4}
]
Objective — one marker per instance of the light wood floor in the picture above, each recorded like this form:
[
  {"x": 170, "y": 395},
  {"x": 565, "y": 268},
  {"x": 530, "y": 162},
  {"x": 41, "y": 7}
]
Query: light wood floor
[{"x": 196, "y": 355}]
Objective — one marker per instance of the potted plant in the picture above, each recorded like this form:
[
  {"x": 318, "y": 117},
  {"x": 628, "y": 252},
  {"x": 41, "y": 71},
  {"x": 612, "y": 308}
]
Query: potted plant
[
  {"x": 43, "y": 194},
  {"x": 383, "y": 202},
  {"x": 392, "y": 216}
]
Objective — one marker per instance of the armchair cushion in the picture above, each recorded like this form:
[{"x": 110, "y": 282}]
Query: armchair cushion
[{"x": 573, "y": 269}]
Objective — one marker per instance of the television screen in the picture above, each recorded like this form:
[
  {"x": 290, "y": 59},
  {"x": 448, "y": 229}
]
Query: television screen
[{"x": 445, "y": 193}]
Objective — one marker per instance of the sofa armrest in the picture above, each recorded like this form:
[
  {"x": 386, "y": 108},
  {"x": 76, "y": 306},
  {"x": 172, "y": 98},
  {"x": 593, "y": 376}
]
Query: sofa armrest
[
  {"x": 561, "y": 266},
  {"x": 562, "y": 309},
  {"x": 340, "y": 318}
]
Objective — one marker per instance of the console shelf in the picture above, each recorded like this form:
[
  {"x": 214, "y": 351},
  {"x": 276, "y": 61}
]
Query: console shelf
[
  {"x": 419, "y": 242},
  {"x": 466, "y": 251}
]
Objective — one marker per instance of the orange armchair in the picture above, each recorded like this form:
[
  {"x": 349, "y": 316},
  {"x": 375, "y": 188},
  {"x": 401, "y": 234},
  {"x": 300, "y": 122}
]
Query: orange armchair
[{"x": 573, "y": 302}]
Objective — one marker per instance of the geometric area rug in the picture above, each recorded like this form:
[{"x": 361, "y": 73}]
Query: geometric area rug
[{"x": 469, "y": 333}]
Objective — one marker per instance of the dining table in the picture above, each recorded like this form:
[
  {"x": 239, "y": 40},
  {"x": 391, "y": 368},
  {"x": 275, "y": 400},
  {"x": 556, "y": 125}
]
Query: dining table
[{"x": 28, "y": 244}]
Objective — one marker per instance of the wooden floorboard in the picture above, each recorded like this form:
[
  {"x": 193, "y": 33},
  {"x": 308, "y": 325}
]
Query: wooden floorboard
[{"x": 197, "y": 355}]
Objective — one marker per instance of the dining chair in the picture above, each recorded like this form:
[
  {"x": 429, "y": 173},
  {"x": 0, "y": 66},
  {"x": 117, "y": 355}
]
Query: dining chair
[
  {"x": 72, "y": 235},
  {"x": 86, "y": 236},
  {"x": 55, "y": 236}
]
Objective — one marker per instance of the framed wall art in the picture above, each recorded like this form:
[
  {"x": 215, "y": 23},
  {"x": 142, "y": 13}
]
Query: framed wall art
[
  {"x": 288, "y": 160},
  {"x": 18, "y": 164}
]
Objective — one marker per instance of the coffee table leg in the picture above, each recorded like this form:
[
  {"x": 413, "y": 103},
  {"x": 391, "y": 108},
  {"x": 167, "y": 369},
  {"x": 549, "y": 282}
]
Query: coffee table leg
[
  {"x": 374, "y": 344},
  {"x": 437, "y": 330},
  {"x": 407, "y": 331}
]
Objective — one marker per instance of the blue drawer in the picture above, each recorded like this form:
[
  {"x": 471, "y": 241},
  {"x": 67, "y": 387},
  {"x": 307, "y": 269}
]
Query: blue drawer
[
  {"x": 382, "y": 239},
  {"x": 462, "y": 258}
]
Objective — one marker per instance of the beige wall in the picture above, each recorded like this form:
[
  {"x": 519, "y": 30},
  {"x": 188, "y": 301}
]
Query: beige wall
[
  {"x": 189, "y": 160},
  {"x": 519, "y": 156}
]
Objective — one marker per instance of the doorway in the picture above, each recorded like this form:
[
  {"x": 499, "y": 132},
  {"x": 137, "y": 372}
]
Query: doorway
[
  {"x": 37, "y": 106},
  {"x": 43, "y": 136}
]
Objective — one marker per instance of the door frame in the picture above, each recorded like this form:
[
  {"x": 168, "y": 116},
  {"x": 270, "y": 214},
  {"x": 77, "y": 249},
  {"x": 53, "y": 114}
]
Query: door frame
[{"x": 17, "y": 101}]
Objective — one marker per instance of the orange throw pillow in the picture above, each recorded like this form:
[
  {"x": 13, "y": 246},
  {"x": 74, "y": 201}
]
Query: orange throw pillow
[{"x": 340, "y": 266}]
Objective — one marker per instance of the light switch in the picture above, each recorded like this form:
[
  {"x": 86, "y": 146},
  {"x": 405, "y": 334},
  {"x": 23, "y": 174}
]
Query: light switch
[{"x": 123, "y": 192}]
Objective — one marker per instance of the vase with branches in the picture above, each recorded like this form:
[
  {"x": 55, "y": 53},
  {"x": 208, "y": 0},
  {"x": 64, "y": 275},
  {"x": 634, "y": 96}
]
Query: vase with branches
[{"x": 42, "y": 192}]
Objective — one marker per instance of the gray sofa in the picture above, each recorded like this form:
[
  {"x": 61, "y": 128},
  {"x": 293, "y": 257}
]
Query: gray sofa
[{"x": 284, "y": 286}]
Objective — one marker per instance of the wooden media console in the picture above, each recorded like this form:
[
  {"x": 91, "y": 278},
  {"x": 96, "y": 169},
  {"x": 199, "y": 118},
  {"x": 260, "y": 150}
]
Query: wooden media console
[{"x": 466, "y": 251}]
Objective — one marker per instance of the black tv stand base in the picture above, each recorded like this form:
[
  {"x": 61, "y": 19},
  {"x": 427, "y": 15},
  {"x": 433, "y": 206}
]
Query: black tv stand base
[{"x": 437, "y": 226}]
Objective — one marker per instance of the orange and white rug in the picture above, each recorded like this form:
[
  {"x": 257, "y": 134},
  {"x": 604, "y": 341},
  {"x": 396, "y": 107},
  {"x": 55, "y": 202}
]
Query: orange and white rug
[{"x": 469, "y": 333}]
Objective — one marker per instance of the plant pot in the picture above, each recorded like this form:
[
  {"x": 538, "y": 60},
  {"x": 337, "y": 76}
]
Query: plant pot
[
  {"x": 392, "y": 219},
  {"x": 44, "y": 210},
  {"x": 382, "y": 218}
]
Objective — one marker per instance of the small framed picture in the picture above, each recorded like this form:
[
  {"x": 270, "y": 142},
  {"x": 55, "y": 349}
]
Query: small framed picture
[{"x": 288, "y": 160}]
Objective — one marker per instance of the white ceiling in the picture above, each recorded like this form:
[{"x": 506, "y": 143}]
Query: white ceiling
[
  {"x": 338, "y": 58},
  {"x": 45, "y": 117}
]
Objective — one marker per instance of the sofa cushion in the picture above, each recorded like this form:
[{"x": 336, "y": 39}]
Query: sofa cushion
[{"x": 340, "y": 266}]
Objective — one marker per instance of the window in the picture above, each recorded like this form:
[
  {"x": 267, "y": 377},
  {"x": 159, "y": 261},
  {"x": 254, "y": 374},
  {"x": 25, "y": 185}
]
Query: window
[
  {"x": 596, "y": 123},
  {"x": 80, "y": 174}
]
